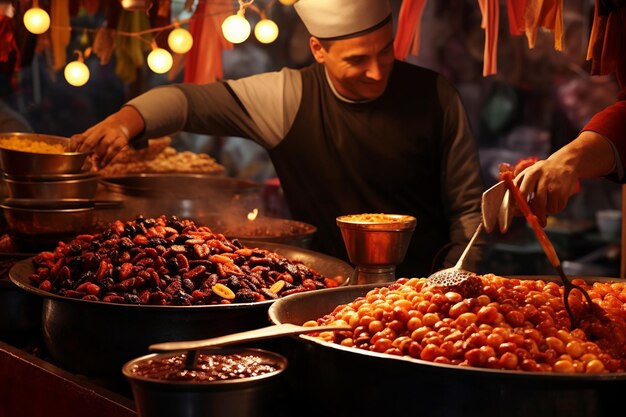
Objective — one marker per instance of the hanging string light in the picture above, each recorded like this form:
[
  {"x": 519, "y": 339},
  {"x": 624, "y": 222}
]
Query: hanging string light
[
  {"x": 236, "y": 28},
  {"x": 76, "y": 72},
  {"x": 159, "y": 60},
  {"x": 36, "y": 19},
  {"x": 180, "y": 40},
  {"x": 266, "y": 31}
]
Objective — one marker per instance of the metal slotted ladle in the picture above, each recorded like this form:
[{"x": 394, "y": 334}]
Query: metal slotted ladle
[
  {"x": 456, "y": 275},
  {"x": 547, "y": 247},
  {"x": 492, "y": 214}
]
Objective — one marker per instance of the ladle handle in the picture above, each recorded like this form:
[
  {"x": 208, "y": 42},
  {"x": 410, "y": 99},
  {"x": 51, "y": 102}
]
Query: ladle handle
[
  {"x": 459, "y": 264},
  {"x": 247, "y": 336}
]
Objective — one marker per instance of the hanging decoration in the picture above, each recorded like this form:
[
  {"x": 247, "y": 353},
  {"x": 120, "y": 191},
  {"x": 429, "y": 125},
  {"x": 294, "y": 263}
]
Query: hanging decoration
[
  {"x": 60, "y": 32},
  {"x": 515, "y": 13},
  {"x": 408, "y": 33},
  {"x": 76, "y": 72},
  {"x": 135, "y": 25},
  {"x": 9, "y": 53},
  {"x": 180, "y": 40},
  {"x": 524, "y": 17},
  {"x": 490, "y": 10},
  {"x": 159, "y": 60},
  {"x": 204, "y": 60},
  {"x": 236, "y": 28},
  {"x": 266, "y": 31},
  {"x": 130, "y": 50},
  {"x": 36, "y": 19},
  {"x": 132, "y": 29},
  {"x": 547, "y": 14},
  {"x": 104, "y": 44},
  {"x": 607, "y": 43}
]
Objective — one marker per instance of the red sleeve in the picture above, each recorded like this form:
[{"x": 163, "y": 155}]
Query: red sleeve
[{"x": 611, "y": 123}]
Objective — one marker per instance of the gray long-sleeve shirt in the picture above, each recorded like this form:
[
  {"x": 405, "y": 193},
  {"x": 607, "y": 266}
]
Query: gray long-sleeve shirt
[{"x": 408, "y": 152}]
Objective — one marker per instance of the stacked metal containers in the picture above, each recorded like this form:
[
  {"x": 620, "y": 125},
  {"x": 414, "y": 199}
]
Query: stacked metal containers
[{"x": 50, "y": 190}]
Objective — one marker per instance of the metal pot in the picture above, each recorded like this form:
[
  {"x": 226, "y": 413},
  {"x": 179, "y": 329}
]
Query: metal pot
[
  {"x": 191, "y": 196},
  {"x": 97, "y": 338},
  {"x": 39, "y": 226},
  {"x": 358, "y": 382},
  {"x": 242, "y": 397}
]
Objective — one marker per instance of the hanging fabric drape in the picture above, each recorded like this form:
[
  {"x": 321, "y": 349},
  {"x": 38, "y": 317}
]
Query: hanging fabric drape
[
  {"x": 204, "y": 60},
  {"x": 524, "y": 17},
  {"x": 547, "y": 14},
  {"x": 607, "y": 43},
  {"x": 490, "y": 10},
  {"x": 59, "y": 32},
  {"x": 407, "y": 39},
  {"x": 9, "y": 52},
  {"x": 515, "y": 12},
  {"x": 161, "y": 15},
  {"x": 130, "y": 50}
]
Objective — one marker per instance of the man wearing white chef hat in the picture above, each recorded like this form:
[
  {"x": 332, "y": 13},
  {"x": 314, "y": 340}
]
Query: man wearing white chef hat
[
  {"x": 337, "y": 19},
  {"x": 355, "y": 132}
]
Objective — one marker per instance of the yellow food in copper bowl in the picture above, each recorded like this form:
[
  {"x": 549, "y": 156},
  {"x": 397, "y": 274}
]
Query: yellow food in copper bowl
[{"x": 38, "y": 154}]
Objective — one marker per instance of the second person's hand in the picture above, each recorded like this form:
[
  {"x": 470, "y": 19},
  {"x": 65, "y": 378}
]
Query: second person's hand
[
  {"x": 553, "y": 181},
  {"x": 550, "y": 183}
]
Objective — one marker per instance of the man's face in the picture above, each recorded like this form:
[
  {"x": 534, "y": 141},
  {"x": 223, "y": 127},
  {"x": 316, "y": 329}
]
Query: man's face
[{"x": 358, "y": 67}]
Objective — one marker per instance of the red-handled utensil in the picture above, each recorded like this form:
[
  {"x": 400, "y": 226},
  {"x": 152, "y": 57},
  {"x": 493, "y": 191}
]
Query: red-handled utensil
[{"x": 546, "y": 245}]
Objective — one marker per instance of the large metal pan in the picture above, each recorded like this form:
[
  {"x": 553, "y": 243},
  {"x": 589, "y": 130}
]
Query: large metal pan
[
  {"x": 263, "y": 229},
  {"x": 97, "y": 338},
  {"x": 191, "y": 196},
  {"x": 359, "y": 383}
]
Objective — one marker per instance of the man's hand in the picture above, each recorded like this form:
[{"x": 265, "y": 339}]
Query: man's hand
[{"x": 107, "y": 138}]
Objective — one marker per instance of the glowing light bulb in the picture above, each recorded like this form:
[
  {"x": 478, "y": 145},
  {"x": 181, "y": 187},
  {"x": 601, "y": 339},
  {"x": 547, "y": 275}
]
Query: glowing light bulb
[
  {"x": 266, "y": 31},
  {"x": 76, "y": 73},
  {"x": 36, "y": 20},
  {"x": 160, "y": 61},
  {"x": 236, "y": 28},
  {"x": 180, "y": 40},
  {"x": 287, "y": 2}
]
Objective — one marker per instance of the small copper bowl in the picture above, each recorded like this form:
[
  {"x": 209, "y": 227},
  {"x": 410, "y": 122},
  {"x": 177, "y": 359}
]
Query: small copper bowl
[{"x": 376, "y": 243}]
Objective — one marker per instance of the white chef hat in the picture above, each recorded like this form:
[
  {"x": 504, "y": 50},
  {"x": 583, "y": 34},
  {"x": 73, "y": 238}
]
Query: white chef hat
[{"x": 340, "y": 19}]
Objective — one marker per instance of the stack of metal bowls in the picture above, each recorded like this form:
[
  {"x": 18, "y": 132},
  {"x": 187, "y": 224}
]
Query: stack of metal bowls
[
  {"x": 52, "y": 186},
  {"x": 42, "y": 186}
]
